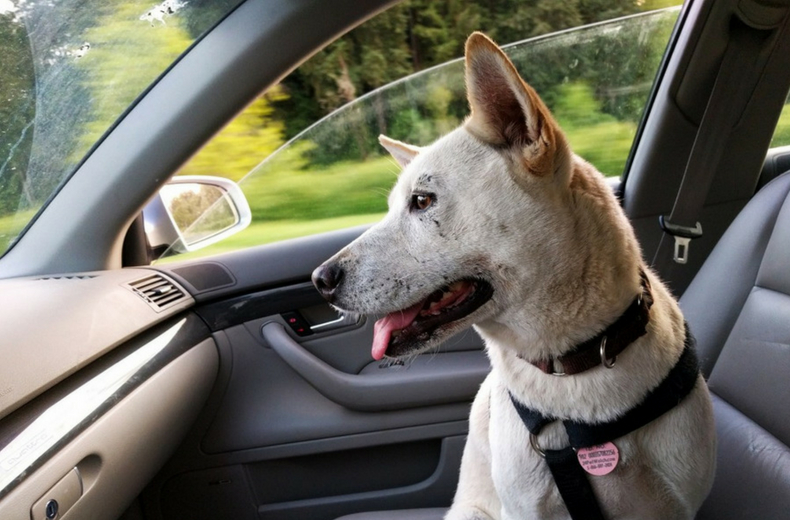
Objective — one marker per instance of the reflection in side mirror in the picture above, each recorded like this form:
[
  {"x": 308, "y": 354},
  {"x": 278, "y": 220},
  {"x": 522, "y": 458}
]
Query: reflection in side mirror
[
  {"x": 199, "y": 211},
  {"x": 192, "y": 212}
]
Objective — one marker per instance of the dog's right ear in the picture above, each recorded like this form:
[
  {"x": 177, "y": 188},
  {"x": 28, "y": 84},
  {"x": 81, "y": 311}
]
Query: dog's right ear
[
  {"x": 403, "y": 153},
  {"x": 506, "y": 111}
]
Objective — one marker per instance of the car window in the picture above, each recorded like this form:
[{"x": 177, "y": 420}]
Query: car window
[
  {"x": 334, "y": 174},
  {"x": 781, "y": 135},
  {"x": 68, "y": 70}
]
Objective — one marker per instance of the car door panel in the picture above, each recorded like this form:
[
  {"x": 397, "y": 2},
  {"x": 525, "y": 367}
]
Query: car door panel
[
  {"x": 266, "y": 403},
  {"x": 310, "y": 426},
  {"x": 285, "y": 488}
]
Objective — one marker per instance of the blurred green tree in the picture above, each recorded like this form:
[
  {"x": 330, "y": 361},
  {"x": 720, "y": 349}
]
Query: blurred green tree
[
  {"x": 18, "y": 95},
  {"x": 243, "y": 143}
]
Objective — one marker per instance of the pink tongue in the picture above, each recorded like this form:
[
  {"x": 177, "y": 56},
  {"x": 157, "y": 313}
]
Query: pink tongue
[{"x": 383, "y": 328}]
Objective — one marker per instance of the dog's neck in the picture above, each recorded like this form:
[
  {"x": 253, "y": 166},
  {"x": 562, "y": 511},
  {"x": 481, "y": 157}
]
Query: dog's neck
[
  {"x": 599, "y": 394},
  {"x": 604, "y": 347},
  {"x": 598, "y": 281}
]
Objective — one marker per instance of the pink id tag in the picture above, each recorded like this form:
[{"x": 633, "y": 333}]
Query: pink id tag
[{"x": 599, "y": 460}]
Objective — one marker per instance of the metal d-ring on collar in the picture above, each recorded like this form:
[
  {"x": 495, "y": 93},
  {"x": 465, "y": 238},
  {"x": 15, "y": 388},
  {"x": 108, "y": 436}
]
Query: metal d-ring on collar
[
  {"x": 553, "y": 369},
  {"x": 630, "y": 326},
  {"x": 608, "y": 363}
]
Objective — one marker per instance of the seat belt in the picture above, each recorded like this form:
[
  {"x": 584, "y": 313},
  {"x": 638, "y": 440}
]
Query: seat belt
[{"x": 731, "y": 91}]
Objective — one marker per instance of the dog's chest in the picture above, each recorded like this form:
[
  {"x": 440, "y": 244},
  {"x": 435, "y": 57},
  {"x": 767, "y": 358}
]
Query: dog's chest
[{"x": 522, "y": 478}]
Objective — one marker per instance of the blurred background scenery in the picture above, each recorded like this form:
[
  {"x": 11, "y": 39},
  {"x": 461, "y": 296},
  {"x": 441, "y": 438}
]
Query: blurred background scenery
[{"x": 299, "y": 176}]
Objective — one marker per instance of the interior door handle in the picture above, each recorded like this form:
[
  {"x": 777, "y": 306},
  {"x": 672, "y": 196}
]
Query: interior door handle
[
  {"x": 343, "y": 321},
  {"x": 443, "y": 378}
]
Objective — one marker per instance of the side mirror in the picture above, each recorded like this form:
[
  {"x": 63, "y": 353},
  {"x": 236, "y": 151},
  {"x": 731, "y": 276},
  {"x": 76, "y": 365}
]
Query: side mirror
[{"x": 194, "y": 211}]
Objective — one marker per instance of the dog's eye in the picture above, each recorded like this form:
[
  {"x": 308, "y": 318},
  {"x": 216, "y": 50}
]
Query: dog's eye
[{"x": 421, "y": 201}]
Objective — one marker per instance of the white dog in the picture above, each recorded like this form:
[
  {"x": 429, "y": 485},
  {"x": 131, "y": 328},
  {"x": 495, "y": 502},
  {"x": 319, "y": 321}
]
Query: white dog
[{"x": 498, "y": 224}]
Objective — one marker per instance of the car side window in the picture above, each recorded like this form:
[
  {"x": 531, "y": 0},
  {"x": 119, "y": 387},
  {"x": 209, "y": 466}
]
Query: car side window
[
  {"x": 781, "y": 135},
  {"x": 302, "y": 177}
]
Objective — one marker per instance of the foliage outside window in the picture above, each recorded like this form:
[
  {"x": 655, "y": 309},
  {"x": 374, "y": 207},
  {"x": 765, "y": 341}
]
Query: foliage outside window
[
  {"x": 334, "y": 174},
  {"x": 68, "y": 70}
]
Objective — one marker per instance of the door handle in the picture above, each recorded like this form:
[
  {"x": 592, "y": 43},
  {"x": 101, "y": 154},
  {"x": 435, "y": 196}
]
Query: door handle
[
  {"x": 440, "y": 379},
  {"x": 343, "y": 321}
]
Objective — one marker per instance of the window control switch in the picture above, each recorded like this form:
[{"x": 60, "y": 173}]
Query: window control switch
[{"x": 297, "y": 323}]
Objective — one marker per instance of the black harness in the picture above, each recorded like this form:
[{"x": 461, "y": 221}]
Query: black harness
[{"x": 571, "y": 479}]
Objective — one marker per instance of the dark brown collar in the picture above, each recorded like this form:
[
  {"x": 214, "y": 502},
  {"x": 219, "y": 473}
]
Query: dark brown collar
[{"x": 604, "y": 347}]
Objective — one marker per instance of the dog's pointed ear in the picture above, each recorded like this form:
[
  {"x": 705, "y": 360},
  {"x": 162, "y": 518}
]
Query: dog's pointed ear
[
  {"x": 506, "y": 112},
  {"x": 403, "y": 153}
]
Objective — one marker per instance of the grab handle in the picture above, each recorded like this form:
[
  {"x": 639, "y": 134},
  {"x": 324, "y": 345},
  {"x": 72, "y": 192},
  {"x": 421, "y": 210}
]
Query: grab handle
[{"x": 443, "y": 378}]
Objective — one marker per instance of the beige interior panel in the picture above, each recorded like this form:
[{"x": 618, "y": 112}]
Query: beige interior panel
[
  {"x": 117, "y": 455},
  {"x": 52, "y": 326}
]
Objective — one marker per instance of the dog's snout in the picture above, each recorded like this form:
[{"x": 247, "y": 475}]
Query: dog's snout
[{"x": 326, "y": 279}]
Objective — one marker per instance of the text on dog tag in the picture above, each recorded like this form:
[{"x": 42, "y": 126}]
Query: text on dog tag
[{"x": 599, "y": 460}]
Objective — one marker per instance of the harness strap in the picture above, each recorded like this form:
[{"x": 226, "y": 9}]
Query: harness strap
[
  {"x": 571, "y": 479},
  {"x": 574, "y": 486},
  {"x": 669, "y": 393}
]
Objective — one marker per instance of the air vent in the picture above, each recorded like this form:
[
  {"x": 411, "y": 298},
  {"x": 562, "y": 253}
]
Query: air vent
[{"x": 159, "y": 292}]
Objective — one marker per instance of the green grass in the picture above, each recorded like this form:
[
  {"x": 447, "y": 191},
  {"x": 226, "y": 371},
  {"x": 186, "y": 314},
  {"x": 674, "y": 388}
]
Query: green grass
[
  {"x": 782, "y": 133},
  {"x": 283, "y": 189},
  {"x": 259, "y": 233}
]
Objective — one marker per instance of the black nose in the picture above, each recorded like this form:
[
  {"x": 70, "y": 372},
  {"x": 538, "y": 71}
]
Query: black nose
[{"x": 326, "y": 279}]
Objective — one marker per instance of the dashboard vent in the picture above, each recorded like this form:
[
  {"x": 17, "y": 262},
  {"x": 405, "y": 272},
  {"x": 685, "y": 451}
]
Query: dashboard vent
[{"x": 159, "y": 292}]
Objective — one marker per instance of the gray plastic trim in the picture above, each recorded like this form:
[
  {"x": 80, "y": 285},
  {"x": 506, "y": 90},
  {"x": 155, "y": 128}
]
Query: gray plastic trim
[
  {"x": 29, "y": 438},
  {"x": 777, "y": 161},
  {"x": 429, "y": 380},
  {"x": 435, "y": 491}
]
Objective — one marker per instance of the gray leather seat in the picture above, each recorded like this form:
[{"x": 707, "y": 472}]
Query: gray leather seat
[{"x": 738, "y": 307}]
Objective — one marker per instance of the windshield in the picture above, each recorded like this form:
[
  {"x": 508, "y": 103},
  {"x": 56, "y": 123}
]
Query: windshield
[{"x": 69, "y": 69}]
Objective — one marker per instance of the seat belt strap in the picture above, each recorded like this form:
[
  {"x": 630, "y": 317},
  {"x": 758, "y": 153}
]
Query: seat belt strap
[{"x": 728, "y": 98}]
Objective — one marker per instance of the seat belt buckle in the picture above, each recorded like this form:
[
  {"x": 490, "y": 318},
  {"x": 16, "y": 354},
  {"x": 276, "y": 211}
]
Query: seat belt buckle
[{"x": 683, "y": 236}]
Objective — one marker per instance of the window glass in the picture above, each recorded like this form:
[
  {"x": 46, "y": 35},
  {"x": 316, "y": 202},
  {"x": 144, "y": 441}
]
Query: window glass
[
  {"x": 782, "y": 133},
  {"x": 68, "y": 70},
  {"x": 596, "y": 79}
]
